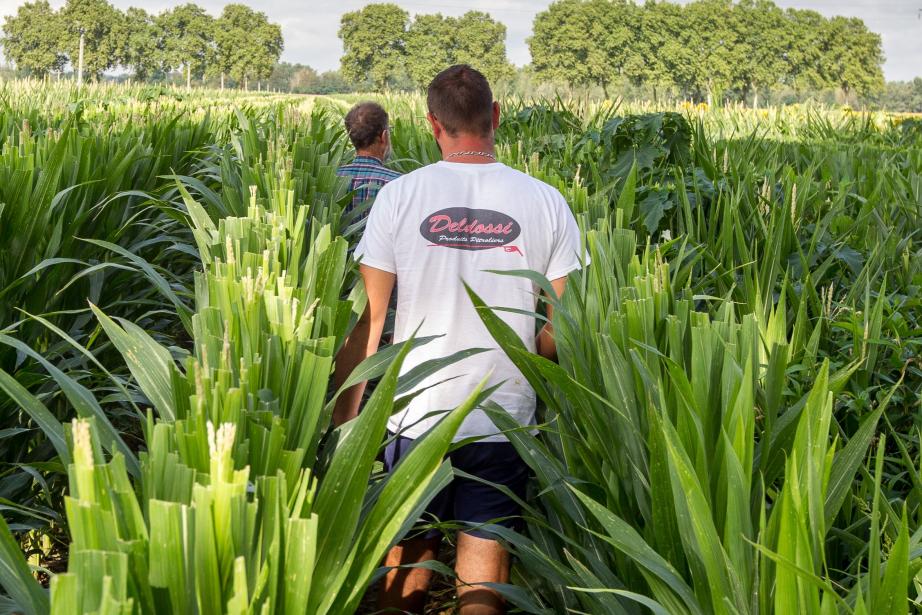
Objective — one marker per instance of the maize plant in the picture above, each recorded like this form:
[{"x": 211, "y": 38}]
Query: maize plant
[
  {"x": 242, "y": 517},
  {"x": 679, "y": 516},
  {"x": 733, "y": 425}
]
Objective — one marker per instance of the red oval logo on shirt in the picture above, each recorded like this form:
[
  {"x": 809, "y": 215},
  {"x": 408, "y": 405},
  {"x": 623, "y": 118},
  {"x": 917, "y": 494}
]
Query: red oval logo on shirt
[{"x": 464, "y": 228}]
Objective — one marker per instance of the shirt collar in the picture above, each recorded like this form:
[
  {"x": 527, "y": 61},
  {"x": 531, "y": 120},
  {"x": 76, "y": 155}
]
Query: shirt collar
[{"x": 367, "y": 159}]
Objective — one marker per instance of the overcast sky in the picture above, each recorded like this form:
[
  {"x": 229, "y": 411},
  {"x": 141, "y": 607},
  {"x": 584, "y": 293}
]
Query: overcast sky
[{"x": 310, "y": 26}]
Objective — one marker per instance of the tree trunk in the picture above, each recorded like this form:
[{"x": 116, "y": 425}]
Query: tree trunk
[
  {"x": 246, "y": 83},
  {"x": 755, "y": 97},
  {"x": 80, "y": 62},
  {"x": 222, "y": 80},
  {"x": 189, "y": 75}
]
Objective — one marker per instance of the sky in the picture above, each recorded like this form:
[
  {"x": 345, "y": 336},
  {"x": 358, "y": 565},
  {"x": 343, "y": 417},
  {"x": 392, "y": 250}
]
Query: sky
[{"x": 310, "y": 26}]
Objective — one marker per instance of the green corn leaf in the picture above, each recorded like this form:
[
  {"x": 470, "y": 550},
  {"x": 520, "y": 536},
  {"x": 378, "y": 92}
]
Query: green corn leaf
[
  {"x": 846, "y": 464},
  {"x": 83, "y": 402},
  {"x": 159, "y": 282},
  {"x": 46, "y": 421},
  {"x": 16, "y": 578},
  {"x": 149, "y": 362},
  {"x": 405, "y": 487},
  {"x": 626, "y": 539},
  {"x": 339, "y": 499},
  {"x": 893, "y": 597}
]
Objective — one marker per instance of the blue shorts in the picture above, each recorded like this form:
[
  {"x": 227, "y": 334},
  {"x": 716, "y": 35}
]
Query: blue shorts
[{"x": 471, "y": 502}]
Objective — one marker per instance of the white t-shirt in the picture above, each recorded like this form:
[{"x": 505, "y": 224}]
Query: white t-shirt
[{"x": 451, "y": 222}]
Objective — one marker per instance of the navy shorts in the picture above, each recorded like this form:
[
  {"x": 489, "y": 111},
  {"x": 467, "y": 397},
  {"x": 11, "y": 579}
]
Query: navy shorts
[{"x": 471, "y": 502}]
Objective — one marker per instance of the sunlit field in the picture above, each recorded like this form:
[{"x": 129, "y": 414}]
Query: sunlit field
[{"x": 734, "y": 425}]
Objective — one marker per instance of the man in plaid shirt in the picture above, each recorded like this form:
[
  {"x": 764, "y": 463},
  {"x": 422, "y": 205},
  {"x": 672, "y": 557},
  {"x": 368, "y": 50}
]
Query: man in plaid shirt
[{"x": 367, "y": 126}]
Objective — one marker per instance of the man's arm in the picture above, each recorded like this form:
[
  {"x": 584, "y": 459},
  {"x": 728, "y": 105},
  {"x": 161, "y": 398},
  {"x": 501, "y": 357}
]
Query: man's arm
[
  {"x": 363, "y": 342},
  {"x": 546, "y": 346}
]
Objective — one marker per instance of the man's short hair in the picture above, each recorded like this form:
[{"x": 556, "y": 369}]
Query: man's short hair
[
  {"x": 365, "y": 122},
  {"x": 461, "y": 100}
]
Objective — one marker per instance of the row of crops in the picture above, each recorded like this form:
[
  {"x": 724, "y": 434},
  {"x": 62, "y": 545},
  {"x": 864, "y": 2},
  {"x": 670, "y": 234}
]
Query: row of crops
[{"x": 734, "y": 425}]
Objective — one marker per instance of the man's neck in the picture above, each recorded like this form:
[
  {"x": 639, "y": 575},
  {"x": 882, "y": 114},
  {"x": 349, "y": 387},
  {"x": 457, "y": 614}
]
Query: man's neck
[
  {"x": 370, "y": 153},
  {"x": 469, "y": 150}
]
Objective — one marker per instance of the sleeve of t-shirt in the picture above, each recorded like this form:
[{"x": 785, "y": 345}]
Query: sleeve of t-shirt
[
  {"x": 566, "y": 247},
  {"x": 376, "y": 248}
]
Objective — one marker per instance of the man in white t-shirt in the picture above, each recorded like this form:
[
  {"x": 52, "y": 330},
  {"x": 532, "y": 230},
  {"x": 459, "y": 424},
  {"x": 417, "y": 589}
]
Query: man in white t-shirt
[{"x": 432, "y": 231}]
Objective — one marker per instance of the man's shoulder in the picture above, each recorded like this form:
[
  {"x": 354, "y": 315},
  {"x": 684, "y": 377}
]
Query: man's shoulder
[
  {"x": 400, "y": 179},
  {"x": 541, "y": 188}
]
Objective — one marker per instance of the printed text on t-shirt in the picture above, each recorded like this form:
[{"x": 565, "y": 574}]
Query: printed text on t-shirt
[{"x": 464, "y": 228}]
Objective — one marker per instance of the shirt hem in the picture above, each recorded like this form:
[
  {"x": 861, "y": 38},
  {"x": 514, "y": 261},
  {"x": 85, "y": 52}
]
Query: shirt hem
[
  {"x": 564, "y": 272},
  {"x": 376, "y": 264}
]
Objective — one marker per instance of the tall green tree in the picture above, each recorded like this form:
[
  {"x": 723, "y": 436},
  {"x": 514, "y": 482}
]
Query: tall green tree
[
  {"x": 434, "y": 42},
  {"x": 247, "y": 45},
  {"x": 481, "y": 42},
  {"x": 765, "y": 34},
  {"x": 99, "y": 24},
  {"x": 616, "y": 24},
  {"x": 713, "y": 37},
  {"x": 853, "y": 57},
  {"x": 429, "y": 47},
  {"x": 671, "y": 47},
  {"x": 188, "y": 34},
  {"x": 564, "y": 48},
  {"x": 31, "y": 39},
  {"x": 653, "y": 43},
  {"x": 806, "y": 50},
  {"x": 141, "y": 41},
  {"x": 704, "y": 48},
  {"x": 373, "y": 40}
]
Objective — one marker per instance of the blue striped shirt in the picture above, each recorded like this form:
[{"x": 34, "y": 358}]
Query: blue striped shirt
[{"x": 367, "y": 175}]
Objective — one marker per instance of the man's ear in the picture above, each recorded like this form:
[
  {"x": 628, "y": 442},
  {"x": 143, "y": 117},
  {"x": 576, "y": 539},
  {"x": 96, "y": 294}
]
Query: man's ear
[
  {"x": 495, "y": 115},
  {"x": 436, "y": 126}
]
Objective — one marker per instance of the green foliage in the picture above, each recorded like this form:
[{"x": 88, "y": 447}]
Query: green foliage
[
  {"x": 247, "y": 45},
  {"x": 31, "y": 38},
  {"x": 187, "y": 32},
  {"x": 382, "y": 47},
  {"x": 764, "y": 29},
  {"x": 242, "y": 43},
  {"x": 853, "y": 56},
  {"x": 141, "y": 39},
  {"x": 707, "y": 49},
  {"x": 749, "y": 338},
  {"x": 98, "y": 22},
  {"x": 583, "y": 42},
  {"x": 373, "y": 43},
  {"x": 902, "y": 96},
  {"x": 480, "y": 41},
  {"x": 429, "y": 47}
]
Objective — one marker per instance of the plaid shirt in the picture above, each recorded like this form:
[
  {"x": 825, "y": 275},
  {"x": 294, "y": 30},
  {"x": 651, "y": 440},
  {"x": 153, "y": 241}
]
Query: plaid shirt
[{"x": 368, "y": 175}]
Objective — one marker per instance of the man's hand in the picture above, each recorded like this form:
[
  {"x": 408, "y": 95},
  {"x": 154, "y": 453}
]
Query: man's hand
[
  {"x": 363, "y": 342},
  {"x": 545, "y": 344}
]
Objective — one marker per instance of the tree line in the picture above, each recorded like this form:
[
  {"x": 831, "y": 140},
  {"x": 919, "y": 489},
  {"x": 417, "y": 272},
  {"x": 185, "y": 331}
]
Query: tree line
[
  {"x": 700, "y": 50},
  {"x": 705, "y": 48},
  {"x": 383, "y": 45},
  {"x": 240, "y": 44}
]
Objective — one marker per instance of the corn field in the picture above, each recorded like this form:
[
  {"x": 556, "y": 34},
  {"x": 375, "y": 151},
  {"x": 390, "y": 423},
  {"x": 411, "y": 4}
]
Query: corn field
[{"x": 734, "y": 424}]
